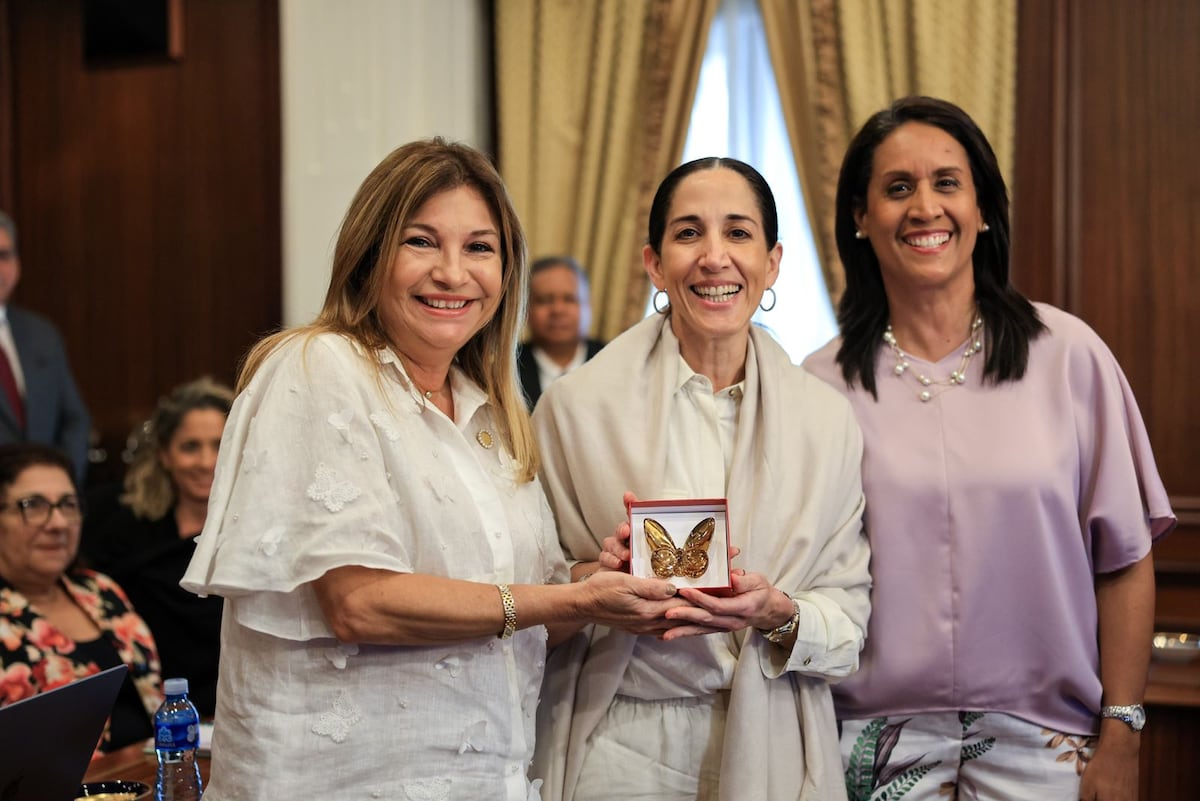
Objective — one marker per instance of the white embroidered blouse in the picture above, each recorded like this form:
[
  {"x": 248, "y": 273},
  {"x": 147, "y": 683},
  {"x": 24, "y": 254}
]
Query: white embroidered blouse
[{"x": 323, "y": 464}]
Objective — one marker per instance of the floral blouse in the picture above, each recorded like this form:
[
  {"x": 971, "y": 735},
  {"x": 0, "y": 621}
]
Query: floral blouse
[{"x": 35, "y": 656}]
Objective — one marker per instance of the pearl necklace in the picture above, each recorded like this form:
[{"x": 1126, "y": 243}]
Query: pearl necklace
[{"x": 959, "y": 376}]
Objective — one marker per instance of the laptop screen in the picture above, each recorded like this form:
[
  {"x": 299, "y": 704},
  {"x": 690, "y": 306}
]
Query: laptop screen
[{"x": 47, "y": 739}]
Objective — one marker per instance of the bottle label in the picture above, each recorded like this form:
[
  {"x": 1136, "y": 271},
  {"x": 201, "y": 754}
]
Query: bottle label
[{"x": 177, "y": 736}]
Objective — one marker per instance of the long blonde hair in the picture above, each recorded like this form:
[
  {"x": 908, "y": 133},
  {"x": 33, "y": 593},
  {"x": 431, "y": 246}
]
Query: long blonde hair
[
  {"x": 367, "y": 244},
  {"x": 149, "y": 491}
]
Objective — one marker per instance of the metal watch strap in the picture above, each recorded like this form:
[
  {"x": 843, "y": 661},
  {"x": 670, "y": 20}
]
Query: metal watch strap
[{"x": 1133, "y": 715}]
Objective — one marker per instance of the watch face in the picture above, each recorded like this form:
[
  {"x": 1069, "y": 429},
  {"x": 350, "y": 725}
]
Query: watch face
[{"x": 1137, "y": 717}]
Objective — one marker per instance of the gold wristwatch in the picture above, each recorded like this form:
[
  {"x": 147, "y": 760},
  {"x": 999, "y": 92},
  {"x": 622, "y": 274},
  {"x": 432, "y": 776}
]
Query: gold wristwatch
[{"x": 780, "y": 633}]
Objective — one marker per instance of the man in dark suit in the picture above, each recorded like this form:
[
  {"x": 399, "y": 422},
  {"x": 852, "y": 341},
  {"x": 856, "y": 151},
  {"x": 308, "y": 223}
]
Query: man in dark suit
[
  {"x": 39, "y": 401},
  {"x": 559, "y": 315}
]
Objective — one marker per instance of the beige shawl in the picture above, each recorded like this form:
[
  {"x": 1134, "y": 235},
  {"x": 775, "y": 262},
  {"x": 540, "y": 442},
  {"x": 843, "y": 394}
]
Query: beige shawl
[{"x": 795, "y": 506}]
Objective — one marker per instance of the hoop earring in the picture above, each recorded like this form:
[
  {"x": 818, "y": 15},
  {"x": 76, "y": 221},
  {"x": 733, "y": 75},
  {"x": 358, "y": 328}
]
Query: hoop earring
[
  {"x": 774, "y": 299},
  {"x": 654, "y": 302}
]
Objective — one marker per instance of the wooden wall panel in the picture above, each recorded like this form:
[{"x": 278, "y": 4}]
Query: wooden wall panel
[
  {"x": 1169, "y": 769},
  {"x": 1136, "y": 190},
  {"x": 148, "y": 196},
  {"x": 6, "y": 109},
  {"x": 1107, "y": 194},
  {"x": 1039, "y": 180}
]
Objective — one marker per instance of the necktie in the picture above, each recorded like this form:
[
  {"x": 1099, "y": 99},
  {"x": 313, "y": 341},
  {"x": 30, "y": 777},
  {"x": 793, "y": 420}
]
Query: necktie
[{"x": 8, "y": 383}]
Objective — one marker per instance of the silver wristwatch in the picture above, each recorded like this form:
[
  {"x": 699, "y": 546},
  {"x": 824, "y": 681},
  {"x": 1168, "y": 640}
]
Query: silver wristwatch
[
  {"x": 780, "y": 633},
  {"x": 1134, "y": 715}
]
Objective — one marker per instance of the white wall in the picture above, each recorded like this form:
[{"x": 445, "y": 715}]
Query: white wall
[{"x": 361, "y": 77}]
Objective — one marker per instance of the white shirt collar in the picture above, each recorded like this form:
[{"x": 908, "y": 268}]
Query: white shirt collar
[
  {"x": 550, "y": 370},
  {"x": 684, "y": 374}
]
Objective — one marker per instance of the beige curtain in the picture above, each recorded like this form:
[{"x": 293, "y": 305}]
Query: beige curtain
[
  {"x": 839, "y": 61},
  {"x": 593, "y": 103}
]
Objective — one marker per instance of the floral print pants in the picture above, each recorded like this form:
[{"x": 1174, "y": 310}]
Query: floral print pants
[{"x": 961, "y": 756}]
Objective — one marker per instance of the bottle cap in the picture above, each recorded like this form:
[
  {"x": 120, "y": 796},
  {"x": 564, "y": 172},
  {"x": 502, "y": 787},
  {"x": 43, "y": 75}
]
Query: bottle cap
[{"x": 175, "y": 686}]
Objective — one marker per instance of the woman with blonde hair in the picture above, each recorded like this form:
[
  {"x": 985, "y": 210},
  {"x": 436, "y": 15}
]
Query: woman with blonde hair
[
  {"x": 145, "y": 538},
  {"x": 390, "y": 565},
  {"x": 154, "y": 484}
]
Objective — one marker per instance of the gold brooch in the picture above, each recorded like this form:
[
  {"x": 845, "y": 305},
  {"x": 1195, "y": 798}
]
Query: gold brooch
[
  {"x": 690, "y": 561},
  {"x": 484, "y": 438}
]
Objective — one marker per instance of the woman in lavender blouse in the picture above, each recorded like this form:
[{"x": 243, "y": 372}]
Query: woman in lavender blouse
[{"x": 1012, "y": 497}]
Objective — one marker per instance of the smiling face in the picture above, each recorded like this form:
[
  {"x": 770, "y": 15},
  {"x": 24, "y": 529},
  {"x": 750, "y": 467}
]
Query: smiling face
[
  {"x": 445, "y": 281},
  {"x": 921, "y": 214},
  {"x": 714, "y": 261},
  {"x": 190, "y": 457},
  {"x": 37, "y": 555}
]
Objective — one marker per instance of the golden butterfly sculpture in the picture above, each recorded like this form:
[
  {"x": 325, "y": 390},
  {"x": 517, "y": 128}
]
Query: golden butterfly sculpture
[{"x": 691, "y": 560}]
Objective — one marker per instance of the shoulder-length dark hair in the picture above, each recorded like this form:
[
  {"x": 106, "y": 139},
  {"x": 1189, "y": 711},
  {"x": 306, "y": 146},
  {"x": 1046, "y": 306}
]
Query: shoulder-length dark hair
[{"x": 1010, "y": 321}]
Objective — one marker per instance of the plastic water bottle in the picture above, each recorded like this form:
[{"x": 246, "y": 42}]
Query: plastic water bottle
[{"x": 176, "y": 737}]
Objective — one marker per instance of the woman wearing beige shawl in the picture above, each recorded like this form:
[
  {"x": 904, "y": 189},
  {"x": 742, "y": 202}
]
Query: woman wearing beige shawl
[{"x": 697, "y": 403}]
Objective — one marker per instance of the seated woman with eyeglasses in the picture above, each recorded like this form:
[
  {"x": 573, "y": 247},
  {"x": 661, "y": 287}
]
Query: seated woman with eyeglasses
[{"x": 59, "y": 623}]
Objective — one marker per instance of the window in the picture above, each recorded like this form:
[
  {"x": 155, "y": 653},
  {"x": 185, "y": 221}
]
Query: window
[{"x": 737, "y": 113}]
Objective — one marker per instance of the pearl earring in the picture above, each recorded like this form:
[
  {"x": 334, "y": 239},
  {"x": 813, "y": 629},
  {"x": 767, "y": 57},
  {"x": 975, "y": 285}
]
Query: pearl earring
[
  {"x": 859, "y": 235},
  {"x": 985, "y": 228}
]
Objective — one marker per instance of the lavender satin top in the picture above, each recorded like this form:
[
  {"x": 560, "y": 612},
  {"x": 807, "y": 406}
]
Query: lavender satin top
[{"x": 990, "y": 509}]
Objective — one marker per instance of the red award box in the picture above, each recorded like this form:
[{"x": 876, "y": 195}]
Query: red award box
[{"x": 684, "y": 541}]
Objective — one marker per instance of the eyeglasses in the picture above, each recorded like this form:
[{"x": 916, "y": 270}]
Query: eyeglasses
[{"x": 36, "y": 510}]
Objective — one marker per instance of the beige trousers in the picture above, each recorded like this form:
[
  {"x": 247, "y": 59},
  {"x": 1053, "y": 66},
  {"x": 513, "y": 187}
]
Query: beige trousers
[{"x": 668, "y": 750}]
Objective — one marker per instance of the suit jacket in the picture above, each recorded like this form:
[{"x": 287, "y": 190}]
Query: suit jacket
[
  {"x": 527, "y": 369},
  {"x": 54, "y": 411}
]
